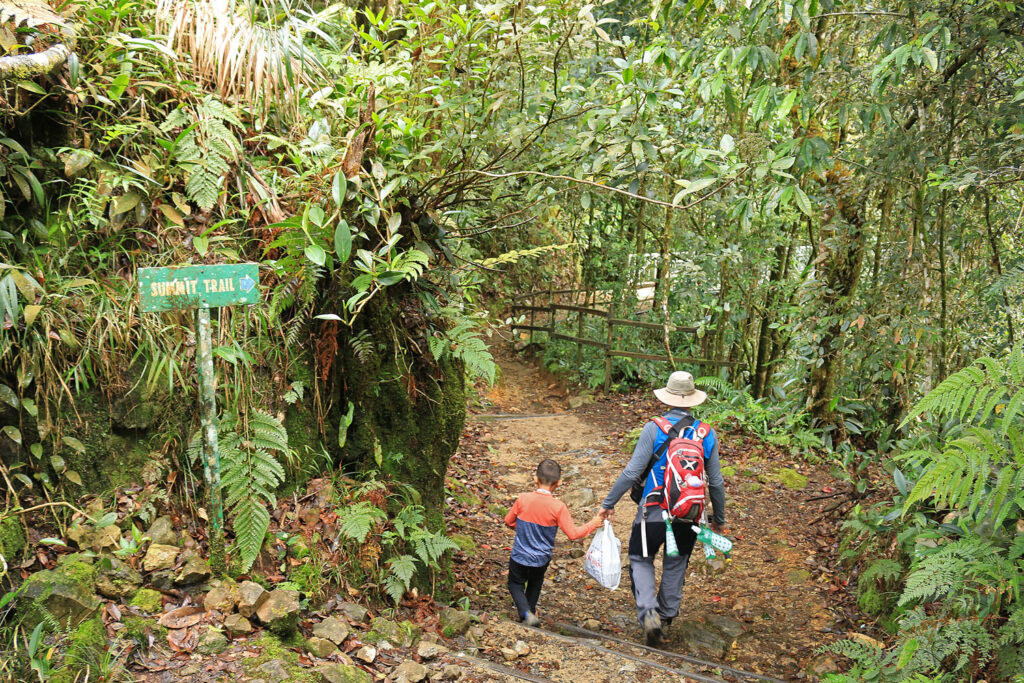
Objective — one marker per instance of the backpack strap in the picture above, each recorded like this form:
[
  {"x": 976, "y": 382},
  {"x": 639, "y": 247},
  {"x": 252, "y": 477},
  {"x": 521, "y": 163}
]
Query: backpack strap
[
  {"x": 672, "y": 432},
  {"x": 663, "y": 423}
]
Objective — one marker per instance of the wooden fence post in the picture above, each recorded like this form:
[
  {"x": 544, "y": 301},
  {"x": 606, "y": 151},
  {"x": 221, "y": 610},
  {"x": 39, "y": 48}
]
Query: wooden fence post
[
  {"x": 608, "y": 350},
  {"x": 551, "y": 309},
  {"x": 579, "y": 335},
  {"x": 530, "y": 302}
]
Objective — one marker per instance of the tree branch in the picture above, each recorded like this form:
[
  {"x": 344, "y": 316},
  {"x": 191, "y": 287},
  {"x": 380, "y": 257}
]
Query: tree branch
[
  {"x": 616, "y": 190},
  {"x": 39, "y": 64}
]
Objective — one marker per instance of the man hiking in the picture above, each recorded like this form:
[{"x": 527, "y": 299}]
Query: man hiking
[{"x": 686, "y": 447}]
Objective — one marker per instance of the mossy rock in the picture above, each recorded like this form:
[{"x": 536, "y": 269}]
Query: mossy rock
[
  {"x": 12, "y": 538},
  {"x": 462, "y": 494},
  {"x": 148, "y": 600},
  {"x": 728, "y": 471},
  {"x": 79, "y": 567},
  {"x": 271, "y": 648},
  {"x": 138, "y": 628},
  {"x": 465, "y": 542},
  {"x": 414, "y": 421},
  {"x": 82, "y": 649},
  {"x": 789, "y": 478},
  {"x": 59, "y": 594},
  {"x": 402, "y": 634},
  {"x": 750, "y": 487}
]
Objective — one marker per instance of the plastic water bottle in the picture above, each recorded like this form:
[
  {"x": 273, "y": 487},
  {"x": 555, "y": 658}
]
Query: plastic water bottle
[
  {"x": 709, "y": 537},
  {"x": 671, "y": 549},
  {"x": 693, "y": 481}
]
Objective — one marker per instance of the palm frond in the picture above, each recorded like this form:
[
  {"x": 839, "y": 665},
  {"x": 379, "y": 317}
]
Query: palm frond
[{"x": 232, "y": 51}]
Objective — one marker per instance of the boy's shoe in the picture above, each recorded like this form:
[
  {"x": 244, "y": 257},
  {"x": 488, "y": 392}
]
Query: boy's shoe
[
  {"x": 652, "y": 629},
  {"x": 531, "y": 619}
]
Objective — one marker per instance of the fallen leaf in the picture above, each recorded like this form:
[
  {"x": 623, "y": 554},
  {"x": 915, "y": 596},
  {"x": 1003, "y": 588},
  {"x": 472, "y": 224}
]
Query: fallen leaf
[
  {"x": 183, "y": 617},
  {"x": 182, "y": 640}
]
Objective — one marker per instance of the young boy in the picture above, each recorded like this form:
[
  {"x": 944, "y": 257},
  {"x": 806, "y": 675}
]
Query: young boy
[{"x": 536, "y": 517}]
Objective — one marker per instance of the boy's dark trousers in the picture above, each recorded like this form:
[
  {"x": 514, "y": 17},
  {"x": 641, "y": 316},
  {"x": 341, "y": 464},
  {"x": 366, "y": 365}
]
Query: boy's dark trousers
[{"x": 524, "y": 583}]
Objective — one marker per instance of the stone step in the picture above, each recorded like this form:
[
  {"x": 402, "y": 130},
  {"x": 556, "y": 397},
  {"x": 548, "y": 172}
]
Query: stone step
[{"x": 568, "y": 659}]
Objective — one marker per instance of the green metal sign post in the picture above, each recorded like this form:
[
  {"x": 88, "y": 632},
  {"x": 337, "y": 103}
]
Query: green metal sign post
[{"x": 203, "y": 288}]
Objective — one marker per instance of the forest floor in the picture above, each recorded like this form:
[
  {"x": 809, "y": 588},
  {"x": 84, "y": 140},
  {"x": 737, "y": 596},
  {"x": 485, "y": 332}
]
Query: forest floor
[
  {"x": 764, "y": 613},
  {"x": 779, "y": 598}
]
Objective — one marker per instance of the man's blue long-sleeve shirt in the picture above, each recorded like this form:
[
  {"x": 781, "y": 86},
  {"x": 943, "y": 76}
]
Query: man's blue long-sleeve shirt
[{"x": 643, "y": 453}]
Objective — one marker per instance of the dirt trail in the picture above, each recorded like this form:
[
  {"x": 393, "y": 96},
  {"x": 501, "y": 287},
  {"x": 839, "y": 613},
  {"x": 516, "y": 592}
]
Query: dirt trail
[{"x": 766, "y": 611}]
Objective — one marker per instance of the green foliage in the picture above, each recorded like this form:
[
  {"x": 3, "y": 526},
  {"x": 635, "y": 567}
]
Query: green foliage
[
  {"x": 356, "y": 520},
  {"x": 976, "y": 391},
  {"x": 959, "y": 606},
  {"x": 398, "y": 539},
  {"x": 980, "y": 470},
  {"x": 462, "y": 342},
  {"x": 205, "y": 148},
  {"x": 250, "y": 475}
]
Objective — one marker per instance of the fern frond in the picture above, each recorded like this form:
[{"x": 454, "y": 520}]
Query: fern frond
[
  {"x": 355, "y": 521},
  {"x": 1011, "y": 278},
  {"x": 977, "y": 390},
  {"x": 394, "y": 588},
  {"x": 883, "y": 569},
  {"x": 250, "y": 526},
  {"x": 429, "y": 547},
  {"x": 403, "y": 566}
]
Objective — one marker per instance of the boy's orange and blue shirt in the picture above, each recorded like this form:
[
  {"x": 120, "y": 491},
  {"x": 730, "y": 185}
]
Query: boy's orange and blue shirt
[{"x": 536, "y": 517}]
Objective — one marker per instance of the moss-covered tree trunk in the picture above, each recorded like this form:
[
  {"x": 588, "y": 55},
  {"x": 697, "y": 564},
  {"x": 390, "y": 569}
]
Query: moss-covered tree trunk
[{"x": 409, "y": 410}]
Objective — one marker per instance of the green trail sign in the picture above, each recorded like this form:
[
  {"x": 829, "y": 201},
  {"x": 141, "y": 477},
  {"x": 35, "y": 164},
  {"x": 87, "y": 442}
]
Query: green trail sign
[
  {"x": 203, "y": 288},
  {"x": 165, "y": 289}
]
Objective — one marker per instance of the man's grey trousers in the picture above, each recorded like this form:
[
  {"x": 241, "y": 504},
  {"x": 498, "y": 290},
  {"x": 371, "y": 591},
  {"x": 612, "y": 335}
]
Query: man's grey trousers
[{"x": 664, "y": 599}]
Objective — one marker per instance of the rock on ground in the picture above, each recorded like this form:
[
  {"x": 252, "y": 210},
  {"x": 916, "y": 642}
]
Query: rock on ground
[
  {"x": 280, "y": 611},
  {"x": 118, "y": 582},
  {"x": 223, "y": 597},
  {"x": 212, "y": 642},
  {"x": 332, "y": 629},
  {"x": 409, "y": 672},
  {"x": 428, "y": 650},
  {"x": 69, "y": 599},
  {"x": 251, "y": 596},
  {"x": 342, "y": 673},
  {"x": 320, "y": 647},
  {"x": 356, "y": 613},
  {"x": 162, "y": 531},
  {"x": 159, "y": 557},
  {"x": 454, "y": 622},
  {"x": 366, "y": 654},
  {"x": 196, "y": 570},
  {"x": 275, "y": 670},
  {"x": 237, "y": 625}
]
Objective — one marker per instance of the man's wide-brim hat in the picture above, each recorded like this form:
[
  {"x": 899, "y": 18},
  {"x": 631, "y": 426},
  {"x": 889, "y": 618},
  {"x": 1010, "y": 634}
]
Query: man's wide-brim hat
[{"x": 680, "y": 391}]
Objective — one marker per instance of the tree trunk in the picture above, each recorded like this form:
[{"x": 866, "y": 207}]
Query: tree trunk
[
  {"x": 764, "y": 338},
  {"x": 839, "y": 263},
  {"x": 997, "y": 265}
]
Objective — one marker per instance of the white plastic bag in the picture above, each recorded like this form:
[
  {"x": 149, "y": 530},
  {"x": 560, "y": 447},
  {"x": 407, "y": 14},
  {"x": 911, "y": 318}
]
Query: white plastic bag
[{"x": 602, "y": 560}]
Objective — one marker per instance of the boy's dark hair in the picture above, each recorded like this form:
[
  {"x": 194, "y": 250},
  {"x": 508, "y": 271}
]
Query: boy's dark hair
[{"x": 548, "y": 472}]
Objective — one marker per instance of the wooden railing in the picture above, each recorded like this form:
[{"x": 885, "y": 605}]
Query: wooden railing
[{"x": 553, "y": 308}]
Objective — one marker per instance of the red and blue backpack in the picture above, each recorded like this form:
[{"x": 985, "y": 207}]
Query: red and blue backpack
[{"x": 680, "y": 462}]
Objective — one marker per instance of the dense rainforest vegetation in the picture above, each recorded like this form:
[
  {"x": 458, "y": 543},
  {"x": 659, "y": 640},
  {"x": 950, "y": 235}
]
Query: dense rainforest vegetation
[{"x": 829, "y": 191}]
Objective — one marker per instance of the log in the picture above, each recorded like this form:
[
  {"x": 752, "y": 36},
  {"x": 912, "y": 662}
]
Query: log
[{"x": 20, "y": 67}]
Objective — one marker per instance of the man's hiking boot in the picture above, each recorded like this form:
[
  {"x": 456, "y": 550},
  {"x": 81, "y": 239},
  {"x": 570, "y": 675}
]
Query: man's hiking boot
[
  {"x": 652, "y": 629},
  {"x": 531, "y": 620}
]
